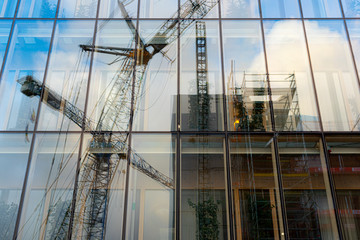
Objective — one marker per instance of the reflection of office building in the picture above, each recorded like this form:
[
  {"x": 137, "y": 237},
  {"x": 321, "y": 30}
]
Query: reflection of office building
[{"x": 181, "y": 119}]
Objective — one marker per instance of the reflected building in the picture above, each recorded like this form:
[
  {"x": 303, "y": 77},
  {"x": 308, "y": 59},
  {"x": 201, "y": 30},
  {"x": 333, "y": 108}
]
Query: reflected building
[{"x": 179, "y": 119}]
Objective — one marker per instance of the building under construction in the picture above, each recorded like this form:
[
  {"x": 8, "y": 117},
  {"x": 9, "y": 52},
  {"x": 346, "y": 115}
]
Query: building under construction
[{"x": 179, "y": 119}]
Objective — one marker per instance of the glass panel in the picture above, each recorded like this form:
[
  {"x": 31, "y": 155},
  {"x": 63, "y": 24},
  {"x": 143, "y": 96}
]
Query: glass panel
[
  {"x": 354, "y": 32},
  {"x": 321, "y": 8},
  {"x": 23, "y": 74},
  {"x": 49, "y": 190},
  {"x": 245, "y": 74},
  {"x": 151, "y": 211},
  {"x": 156, "y": 100},
  {"x": 37, "y": 8},
  {"x": 257, "y": 213},
  {"x": 101, "y": 184},
  {"x": 280, "y": 8},
  {"x": 203, "y": 195},
  {"x": 205, "y": 9},
  {"x": 78, "y": 9},
  {"x": 67, "y": 77},
  {"x": 5, "y": 26},
  {"x": 351, "y": 8},
  {"x": 335, "y": 79},
  {"x": 290, "y": 77},
  {"x": 158, "y": 9},
  {"x": 14, "y": 154},
  {"x": 112, "y": 76},
  {"x": 239, "y": 9},
  {"x": 112, "y": 8},
  {"x": 344, "y": 152},
  {"x": 200, "y": 78},
  {"x": 308, "y": 202},
  {"x": 7, "y": 8}
]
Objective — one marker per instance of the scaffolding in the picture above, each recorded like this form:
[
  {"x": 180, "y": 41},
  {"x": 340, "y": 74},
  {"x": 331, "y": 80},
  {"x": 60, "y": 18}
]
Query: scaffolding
[{"x": 249, "y": 103}]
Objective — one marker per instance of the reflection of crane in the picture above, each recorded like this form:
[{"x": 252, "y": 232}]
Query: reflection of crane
[{"x": 98, "y": 167}]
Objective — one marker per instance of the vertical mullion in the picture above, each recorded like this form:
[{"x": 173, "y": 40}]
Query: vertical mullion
[
  {"x": 227, "y": 153},
  {"x": 128, "y": 157},
  {"x": 22, "y": 197},
  {"x": 178, "y": 146},
  {"x": 272, "y": 114}
]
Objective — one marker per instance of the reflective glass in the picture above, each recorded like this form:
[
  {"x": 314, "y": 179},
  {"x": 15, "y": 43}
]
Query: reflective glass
[
  {"x": 67, "y": 77},
  {"x": 23, "y": 74},
  {"x": 158, "y": 9},
  {"x": 290, "y": 77},
  {"x": 5, "y": 26},
  {"x": 49, "y": 191},
  {"x": 239, "y": 9},
  {"x": 321, "y": 8},
  {"x": 113, "y": 8},
  {"x": 200, "y": 78},
  {"x": 245, "y": 77},
  {"x": 78, "y": 9},
  {"x": 256, "y": 211},
  {"x": 204, "y": 9},
  {"x": 351, "y": 8},
  {"x": 112, "y": 75},
  {"x": 7, "y": 8},
  {"x": 335, "y": 78},
  {"x": 308, "y": 202},
  {"x": 37, "y": 8},
  {"x": 354, "y": 32},
  {"x": 203, "y": 196},
  {"x": 100, "y": 190},
  {"x": 151, "y": 211},
  {"x": 155, "y": 108},
  {"x": 344, "y": 152},
  {"x": 280, "y": 8},
  {"x": 14, "y": 153}
]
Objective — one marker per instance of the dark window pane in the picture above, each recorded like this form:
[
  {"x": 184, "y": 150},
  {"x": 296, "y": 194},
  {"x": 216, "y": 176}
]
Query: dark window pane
[
  {"x": 203, "y": 198},
  {"x": 257, "y": 213},
  {"x": 344, "y": 152},
  {"x": 309, "y": 208}
]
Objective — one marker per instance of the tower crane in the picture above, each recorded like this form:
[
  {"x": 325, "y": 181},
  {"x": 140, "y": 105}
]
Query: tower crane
[{"x": 97, "y": 169}]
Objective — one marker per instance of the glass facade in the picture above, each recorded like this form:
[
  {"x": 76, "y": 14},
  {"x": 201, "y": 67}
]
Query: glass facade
[{"x": 181, "y": 119}]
